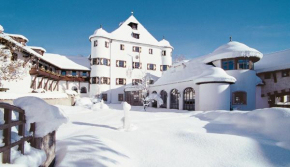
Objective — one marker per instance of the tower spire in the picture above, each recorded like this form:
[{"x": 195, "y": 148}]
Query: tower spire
[
  {"x": 101, "y": 26},
  {"x": 230, "y": 38},
  {"x": 132, "y": 12}
]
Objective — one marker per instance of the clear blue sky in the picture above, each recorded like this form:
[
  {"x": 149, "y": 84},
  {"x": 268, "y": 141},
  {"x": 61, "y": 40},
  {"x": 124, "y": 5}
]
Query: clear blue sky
[{"x": 193, "y": 27}]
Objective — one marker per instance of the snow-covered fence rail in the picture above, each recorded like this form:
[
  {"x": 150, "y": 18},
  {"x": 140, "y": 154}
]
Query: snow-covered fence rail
[{"x": 6, "y": 128}]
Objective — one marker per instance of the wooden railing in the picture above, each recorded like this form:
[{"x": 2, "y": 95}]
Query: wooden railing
[{"x": 6, "y": 128}]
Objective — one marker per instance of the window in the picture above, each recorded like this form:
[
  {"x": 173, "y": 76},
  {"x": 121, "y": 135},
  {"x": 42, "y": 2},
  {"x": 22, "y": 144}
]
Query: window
[
  {"x": 84, "y": 74},
  {"x": 105, "y": 97},
  {"x": 285, "y": 73},
  {"x": 83, "y": 90},
  {"x": 267, "y": 76},
  {"x": 105, "y": 80},
  {"x": 136, "y": 81},
  {"x": 228, "y": 64},
  {"x": 239, "y": 98},
  {"x": 243, "y": 64},
  {"x": 151, "y": 67},
  {"x": 151, "y": 81},
  {"x": 107, "y": 44},
  {"x": 163, "y": 67},
  {"x": 121, "y": 63},
  {"x": 163, "y": 52},
  {"x": 63, "y": 73},
  {"x": 120, "y": 97},
  {"x": 120, "y": 81},
  {"x": 95, "y": 43},
  {"x": 122, "y": 47},
  {"x": 137, "y": 65},
  {"x": 134, "y": 35},
  {"x": 74, "y": 73},
  {"x": 136, "y": 49},
  {"x": 105, "y": 62},
  {"x": 95, "y": 80},
  {"x": 95, "y": 61},
  {"x": 151, "y": 51},
  {"x": 134, "y": 26}
]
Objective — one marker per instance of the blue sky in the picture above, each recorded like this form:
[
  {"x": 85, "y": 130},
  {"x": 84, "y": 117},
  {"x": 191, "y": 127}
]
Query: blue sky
[{"x": 193, "y": 27}]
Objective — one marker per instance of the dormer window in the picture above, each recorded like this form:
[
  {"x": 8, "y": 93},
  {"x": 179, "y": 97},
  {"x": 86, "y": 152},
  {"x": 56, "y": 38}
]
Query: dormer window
[
  {"x": 134, "y": 26},
  {"x": 137, "y": 36}
]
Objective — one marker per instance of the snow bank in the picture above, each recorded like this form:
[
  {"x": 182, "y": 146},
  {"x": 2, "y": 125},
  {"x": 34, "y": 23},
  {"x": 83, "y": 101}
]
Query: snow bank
[
  {"x": 273, "y": 123},
  {"x": 71, "y": 92},
  {"x": 47, "y": 117},
  {"x": 84, "y": 102},
  {"x": 40, "y": 90},
  {"x": 100, "y": 105}
]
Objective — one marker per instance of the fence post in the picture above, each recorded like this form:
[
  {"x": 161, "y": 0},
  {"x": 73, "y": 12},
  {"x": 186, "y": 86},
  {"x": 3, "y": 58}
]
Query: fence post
[{"x": 7, "y": 135}]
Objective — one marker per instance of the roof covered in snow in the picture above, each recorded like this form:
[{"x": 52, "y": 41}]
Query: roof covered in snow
[
  {"x": 37, "y": 48},
  {"x": 18, "y": 36},
  {"x": 194, "y": 70},
  {"x": 81, "y": 60},
  {"x": 232, "y": 49},
  {"x": 274, "y": 61},
  {"x": 62, "y": 62},
  {"x": 124, "y": 33}
]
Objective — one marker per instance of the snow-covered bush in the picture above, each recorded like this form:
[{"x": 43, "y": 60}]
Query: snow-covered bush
[
  {"x": 84, "y": 102},
  {"x": 47, "y": 118},
  {"x": 156, "y": 97},
  {"x": 99, "y": 105},
  {"x": 71, "y": 92}
]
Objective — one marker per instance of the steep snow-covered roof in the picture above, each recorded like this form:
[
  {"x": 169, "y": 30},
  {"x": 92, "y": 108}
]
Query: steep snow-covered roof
[
  {"x": 82, "y": 60},
  {"x": 62, "y": 62},
  {"x": 165, "y": 43},
  {"x": 37, "y": 47},
  {"x": 100, "y": 32},
  {"x": 18, "y": 36},
  {"x": 124, "y": 33},
  {"x": 232, "y": 49},
  {"x": 274, "y": 61},
  {"x": 194, "y": 70}
]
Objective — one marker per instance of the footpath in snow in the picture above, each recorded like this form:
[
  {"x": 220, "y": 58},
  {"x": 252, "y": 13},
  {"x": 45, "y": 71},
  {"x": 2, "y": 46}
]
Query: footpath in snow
[{"x": 164, "y": 137}]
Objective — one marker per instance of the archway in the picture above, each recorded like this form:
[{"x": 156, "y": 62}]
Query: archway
[
  {"x": 163, "y": 95},
  {"x": 174, "y": 99},
  {"x": 74, "y": 88},
  {"x": 189, "y": 99},
  {"x": 83, "y": 90},
  {"x": 154, "y": 103}
]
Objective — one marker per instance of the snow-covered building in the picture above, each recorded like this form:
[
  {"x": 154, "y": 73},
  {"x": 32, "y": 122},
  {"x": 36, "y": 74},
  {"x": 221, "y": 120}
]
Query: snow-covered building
[
  {"x": 120, "y": 59},
  {"x": 274, "y": 70},
  {"x": 48, "y": 72},
  {"x": 221, "y": 80}
]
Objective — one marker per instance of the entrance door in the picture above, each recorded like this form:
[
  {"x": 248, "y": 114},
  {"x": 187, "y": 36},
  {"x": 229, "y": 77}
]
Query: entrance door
[
  {"x": 174, "y": 99},
  {"x": 189, "y": 99}
]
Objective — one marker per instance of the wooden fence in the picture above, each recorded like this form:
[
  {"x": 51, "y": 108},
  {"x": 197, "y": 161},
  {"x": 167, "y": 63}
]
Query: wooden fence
[
  {"x": 46, "y": 143},
  {"x": 6, "y": 128}
]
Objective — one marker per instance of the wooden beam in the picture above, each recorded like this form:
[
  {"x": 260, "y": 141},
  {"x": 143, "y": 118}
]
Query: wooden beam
[
  {"x": 40, "y": 84},
  {"x": 46, "y": 84},
  {"x": 33, "y": 82},
  {"x": 7, "y": 135},
  {"x": 50, "y": 86},
  {"x": 55, "y": 85}
]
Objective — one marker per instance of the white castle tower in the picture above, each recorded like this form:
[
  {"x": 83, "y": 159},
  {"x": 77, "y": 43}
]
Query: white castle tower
[{"x": 120, "y": 58}]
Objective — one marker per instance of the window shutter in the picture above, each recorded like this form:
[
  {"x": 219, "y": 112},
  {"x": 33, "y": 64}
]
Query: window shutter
[
  {"x": 133, "y": 48},
  {"x": 109, "y": 81},
  {"x": 154, "y": 67},
  {"x": 124, "y": 81},
  {"x": 102, "y": 80},
  {"x": 133, "y": 64},
  {"x": 98, "y": 61},
  {"x": 97, "y": 80},
  {"x": 148, "y": 66},
  {"x": 102, "y": 61},
  {"x": 140, "y": 49},
  {"x": 117, "y": 81},
  {"x": 109, "y": 62},
  {"x": 125, "y": 64},
  {"x": 161, "y": 69},
  {"x": 140, "y": 65},
  {"x": 117, "y": 63}
]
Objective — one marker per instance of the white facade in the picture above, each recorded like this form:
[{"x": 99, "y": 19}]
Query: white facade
[{"x": 120, "y": 45}]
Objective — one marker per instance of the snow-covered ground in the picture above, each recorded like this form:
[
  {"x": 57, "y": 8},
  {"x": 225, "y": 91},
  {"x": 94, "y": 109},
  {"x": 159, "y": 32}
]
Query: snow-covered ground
[{"x": 163, "y": 137}]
